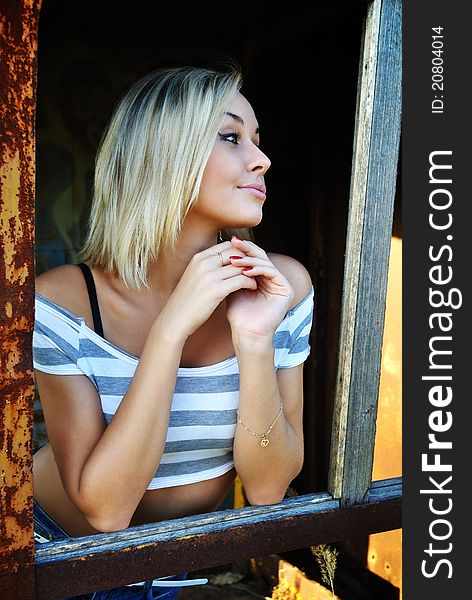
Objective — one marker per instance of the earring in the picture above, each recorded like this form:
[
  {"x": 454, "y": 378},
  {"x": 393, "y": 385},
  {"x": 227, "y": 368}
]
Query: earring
[{"x": 220, "y": 236}]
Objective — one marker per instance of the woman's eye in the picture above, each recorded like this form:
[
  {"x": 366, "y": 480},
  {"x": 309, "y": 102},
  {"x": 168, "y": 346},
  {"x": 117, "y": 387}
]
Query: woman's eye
[{"x": 232, "y": 137}]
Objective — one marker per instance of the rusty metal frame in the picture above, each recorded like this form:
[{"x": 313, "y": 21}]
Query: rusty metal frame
[
  {"x": 18, "y": 71},
  {"x": 89, "y": 563},
  {"x": 96, "y": 562}
]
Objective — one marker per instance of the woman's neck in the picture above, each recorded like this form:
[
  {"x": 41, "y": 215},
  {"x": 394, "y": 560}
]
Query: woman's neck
[{"x": 166, "y": 272}]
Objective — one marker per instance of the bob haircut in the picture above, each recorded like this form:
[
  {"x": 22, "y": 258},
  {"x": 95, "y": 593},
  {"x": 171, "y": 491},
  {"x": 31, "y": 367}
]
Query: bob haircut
[{"x": 150, "y": 164}]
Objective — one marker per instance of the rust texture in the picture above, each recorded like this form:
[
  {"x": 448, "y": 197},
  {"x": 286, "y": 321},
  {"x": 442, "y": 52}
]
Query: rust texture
[
  {"x": 69, "y": 576},
  {"x": 18, "y": 73}
]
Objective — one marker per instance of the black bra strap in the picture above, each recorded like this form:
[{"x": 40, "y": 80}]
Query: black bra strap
[{"x": 92, "y": 292}]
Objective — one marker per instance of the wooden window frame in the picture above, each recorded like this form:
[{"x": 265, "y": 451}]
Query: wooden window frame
[{"x": 353, "y": 505}]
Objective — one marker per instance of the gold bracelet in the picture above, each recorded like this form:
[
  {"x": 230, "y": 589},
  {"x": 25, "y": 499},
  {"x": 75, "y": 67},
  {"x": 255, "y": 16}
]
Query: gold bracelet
[{"x": 264, "y": 439}]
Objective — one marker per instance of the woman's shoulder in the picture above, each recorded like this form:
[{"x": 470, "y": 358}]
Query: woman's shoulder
[
  {"x": 295, "y": 272},
  {"x": 65, "y": 286}
]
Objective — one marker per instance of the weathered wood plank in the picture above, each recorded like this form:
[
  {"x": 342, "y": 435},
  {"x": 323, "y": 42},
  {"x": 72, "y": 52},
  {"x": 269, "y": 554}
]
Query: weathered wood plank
[
  {"x": 374, "y": 172},
  {"x": 97, "y": 562},
  {"x": 193, "y": 525},
  {"x": 384, "y": 489},
  {"x": 360, "y": 165}
]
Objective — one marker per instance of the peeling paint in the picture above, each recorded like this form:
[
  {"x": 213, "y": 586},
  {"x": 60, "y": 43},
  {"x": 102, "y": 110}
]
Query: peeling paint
[{"x": 18, "y": 55}]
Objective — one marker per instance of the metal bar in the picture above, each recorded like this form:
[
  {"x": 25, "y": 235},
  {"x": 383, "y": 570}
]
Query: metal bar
[
  {"x": 374, "y": 171},
  {"x": 82, "y": 565},
  {"x": 18, "y": 52}
]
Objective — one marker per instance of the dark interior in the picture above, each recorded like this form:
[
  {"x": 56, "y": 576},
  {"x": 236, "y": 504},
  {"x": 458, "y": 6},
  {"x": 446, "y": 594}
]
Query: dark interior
[{"x": 300, "y": 63}]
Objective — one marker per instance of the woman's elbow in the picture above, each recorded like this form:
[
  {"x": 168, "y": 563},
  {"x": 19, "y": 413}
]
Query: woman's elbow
[
  {"x": 104, "y": 515},
  {"x": 272, "y": 492},
  {"x": 106, "y": 523},
  {"x": 264, "y": 497}
]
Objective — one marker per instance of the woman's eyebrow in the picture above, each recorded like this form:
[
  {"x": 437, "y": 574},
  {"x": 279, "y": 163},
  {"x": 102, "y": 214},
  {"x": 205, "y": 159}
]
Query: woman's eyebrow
[
  {"x": 235, "y": 117},
  {"x": 239, "y": 119}
]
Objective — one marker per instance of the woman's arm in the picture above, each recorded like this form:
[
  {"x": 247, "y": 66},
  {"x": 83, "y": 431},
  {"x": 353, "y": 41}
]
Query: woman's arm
[
  {"x": 106, "y": 469},
  {"x": 267, "y": 470}
]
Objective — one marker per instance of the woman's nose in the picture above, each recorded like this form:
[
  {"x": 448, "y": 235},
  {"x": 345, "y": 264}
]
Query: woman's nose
[{"x": 258, "y": 161}]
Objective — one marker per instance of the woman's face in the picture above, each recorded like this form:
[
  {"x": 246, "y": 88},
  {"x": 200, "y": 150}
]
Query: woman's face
[{"x": 232, "y": 192}]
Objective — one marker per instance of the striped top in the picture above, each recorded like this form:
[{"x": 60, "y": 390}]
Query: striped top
[{"x": 202, "y": 425}]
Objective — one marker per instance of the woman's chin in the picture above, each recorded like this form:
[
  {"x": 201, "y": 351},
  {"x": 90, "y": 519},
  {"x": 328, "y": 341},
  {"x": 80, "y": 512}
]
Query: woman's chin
[{"x": 246, "y": 222}]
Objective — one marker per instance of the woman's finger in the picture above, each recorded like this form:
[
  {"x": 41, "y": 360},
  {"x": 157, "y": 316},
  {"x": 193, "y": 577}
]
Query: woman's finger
[
  {"x": 263, "y": 271},
  {"x": 249, "y": 248},
  {"x": 220, "y": 254},
  {"x": 233, "y": 284},
  {"x": 250, "y": 261},
  {"x": 266, "y": 272},
  {"x": 229, "y": 271},
  {"x": 260, "y": 267}
]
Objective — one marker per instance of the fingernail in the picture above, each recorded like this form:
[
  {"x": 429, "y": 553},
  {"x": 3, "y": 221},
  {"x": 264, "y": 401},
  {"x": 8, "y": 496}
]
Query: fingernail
[
  {"x": 247, "y": 268},
  {"x": 235, "y": 257},
  {"x": 236, "y": 237}
]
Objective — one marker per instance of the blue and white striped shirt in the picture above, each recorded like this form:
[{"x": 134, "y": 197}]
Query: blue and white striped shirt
[{"x": 202, "y": 425}]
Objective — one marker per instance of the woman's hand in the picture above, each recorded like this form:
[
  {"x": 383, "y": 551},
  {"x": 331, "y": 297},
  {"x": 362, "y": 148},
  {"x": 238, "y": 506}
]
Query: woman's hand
[
  {"x": 256, "y": 312},
  {"x": 205, "y": 283}
]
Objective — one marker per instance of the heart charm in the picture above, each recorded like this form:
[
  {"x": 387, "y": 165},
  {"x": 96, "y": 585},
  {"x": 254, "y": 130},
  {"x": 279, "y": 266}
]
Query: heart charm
[{"x": 264, "y": 442}]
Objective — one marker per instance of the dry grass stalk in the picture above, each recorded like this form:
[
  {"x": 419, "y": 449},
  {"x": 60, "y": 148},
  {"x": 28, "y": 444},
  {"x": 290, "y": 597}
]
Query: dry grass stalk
[{"x": 326, "y": 557}]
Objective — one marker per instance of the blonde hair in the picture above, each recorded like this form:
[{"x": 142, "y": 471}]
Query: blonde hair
[{"x": 150, "y": 164}]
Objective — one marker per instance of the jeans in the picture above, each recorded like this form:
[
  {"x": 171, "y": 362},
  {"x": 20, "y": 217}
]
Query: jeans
[
  {"x": 47, "y": 530},
  {"x": 147, "y": 591}
]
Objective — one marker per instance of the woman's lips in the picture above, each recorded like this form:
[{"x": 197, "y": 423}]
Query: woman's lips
[{"x": 258, "y": 191}]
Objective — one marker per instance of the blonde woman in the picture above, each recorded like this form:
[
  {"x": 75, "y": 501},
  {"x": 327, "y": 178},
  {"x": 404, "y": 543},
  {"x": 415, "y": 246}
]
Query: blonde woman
[{"x": 169, "y": 361}]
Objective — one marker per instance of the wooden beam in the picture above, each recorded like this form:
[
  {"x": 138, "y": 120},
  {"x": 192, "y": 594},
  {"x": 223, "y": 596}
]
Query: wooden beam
[
  {"x": 373, "y": 184},
  {"x": 90, "y": 563}
]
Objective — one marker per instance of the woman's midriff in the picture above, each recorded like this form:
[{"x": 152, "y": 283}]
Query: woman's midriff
[{"x": 156, "y": 505}]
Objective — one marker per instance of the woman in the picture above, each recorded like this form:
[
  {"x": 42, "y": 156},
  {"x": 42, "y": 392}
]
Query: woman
[{"x": 188, "y": 369}]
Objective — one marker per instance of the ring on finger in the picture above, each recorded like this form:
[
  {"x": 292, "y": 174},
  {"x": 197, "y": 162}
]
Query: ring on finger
[{"x": 221, "y": 259}]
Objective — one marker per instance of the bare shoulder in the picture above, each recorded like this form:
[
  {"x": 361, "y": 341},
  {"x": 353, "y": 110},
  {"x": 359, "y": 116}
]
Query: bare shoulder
[
  {"x": 65, "y": 286},
  {"x": 295, "y": 272}
]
